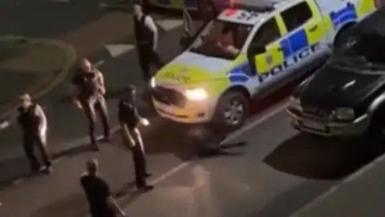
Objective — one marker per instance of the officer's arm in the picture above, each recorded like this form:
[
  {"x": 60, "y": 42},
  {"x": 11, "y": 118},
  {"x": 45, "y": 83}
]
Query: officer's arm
[
  {"x": 142, "y": 120},
  {"x": 149, "y": 21},
  {"x": 43, "y": 119},
  {"x": 126, "y": 136}
]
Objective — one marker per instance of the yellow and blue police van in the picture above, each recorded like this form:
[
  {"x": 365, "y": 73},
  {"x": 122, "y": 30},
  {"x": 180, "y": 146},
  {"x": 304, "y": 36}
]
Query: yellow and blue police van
[{"x": 248, "y": 51}]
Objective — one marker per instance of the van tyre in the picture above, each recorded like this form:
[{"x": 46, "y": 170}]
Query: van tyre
[{"x": 232, "y": 110}]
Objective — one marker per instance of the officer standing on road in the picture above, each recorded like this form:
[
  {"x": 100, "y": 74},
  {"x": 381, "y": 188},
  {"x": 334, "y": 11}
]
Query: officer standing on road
[
  {"x": 90, "y": 97},
  {"x": 130, "y": 120},
  {"x": 100, "y": 201},
  {"x": 34, "y": 125},
  {"x": 146, "y": 35}
]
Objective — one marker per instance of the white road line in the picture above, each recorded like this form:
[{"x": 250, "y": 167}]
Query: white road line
[
  {"x": 268, "y": 114},
  {"x": 169, "y": 24},
  {"x": 116, "y": 50},
  {"x": 170, "y": 172}
]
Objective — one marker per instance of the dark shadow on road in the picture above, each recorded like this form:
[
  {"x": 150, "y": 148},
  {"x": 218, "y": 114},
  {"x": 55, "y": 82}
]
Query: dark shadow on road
[
  {"x": 73, "y": 151},
  {"x": 72, "y": 205},
  {"x": 320, "y": 158},
  {"x": 124, "y": 190},
  {"x": 18, "y": 168},
  {"x": 289, "y": 202}
]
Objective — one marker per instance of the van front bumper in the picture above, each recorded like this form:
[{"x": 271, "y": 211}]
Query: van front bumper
[{"x": 191, "y": 113}]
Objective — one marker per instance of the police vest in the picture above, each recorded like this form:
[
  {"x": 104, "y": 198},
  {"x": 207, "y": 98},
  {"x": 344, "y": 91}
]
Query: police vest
[
  {"x": 143, "y": 35},
  {"x": 128, "y": 114},
  {"x": 28, "y": 119}
]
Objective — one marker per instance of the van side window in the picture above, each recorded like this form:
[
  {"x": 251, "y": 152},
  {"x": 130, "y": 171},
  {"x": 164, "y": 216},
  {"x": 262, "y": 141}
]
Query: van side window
[
  {"x": 267, "y": 33},
  {"x": 296, "y": 16}
]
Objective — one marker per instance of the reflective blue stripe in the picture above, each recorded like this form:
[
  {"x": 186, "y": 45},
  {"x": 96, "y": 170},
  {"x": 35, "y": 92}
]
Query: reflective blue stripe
[
  {"x": 240, "y": 73},
  {"x": 244, "y": 69},
  {"x": 294, "y": 43},
  {"x": 343, "y": 16},
  {"x": 238, "y": 78}
]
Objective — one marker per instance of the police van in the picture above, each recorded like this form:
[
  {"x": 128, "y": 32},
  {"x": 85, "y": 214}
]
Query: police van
[{"x": 248, "y": 51}]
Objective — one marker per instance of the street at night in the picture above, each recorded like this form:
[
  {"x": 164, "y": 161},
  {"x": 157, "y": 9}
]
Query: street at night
[{"x": 264, "y": 168}]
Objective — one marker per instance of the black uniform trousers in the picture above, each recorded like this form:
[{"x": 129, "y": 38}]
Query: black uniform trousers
[
  {"x": 147, "y": 57},
  {"x": 91, "y": 106},
  {"x": 30, "y": 140},
  {"x": 138, "y": 155}
]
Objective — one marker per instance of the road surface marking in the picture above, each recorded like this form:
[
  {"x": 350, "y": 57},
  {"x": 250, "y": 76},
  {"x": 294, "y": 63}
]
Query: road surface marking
[
  {"x": 170, "y": 172},
  {"x": 258, "y": 120},
  {"x": 116, "y": 50},
  {"x": 169, "y": 24}
]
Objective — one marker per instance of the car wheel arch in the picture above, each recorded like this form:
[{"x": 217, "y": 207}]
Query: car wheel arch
[
  {"x": 343, "y": 29},
  {"x": 376, "y": 106}
]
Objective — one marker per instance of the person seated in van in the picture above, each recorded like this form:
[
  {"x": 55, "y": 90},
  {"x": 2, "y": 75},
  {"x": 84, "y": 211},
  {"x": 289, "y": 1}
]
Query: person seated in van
[{"x": 226, "y": 41}]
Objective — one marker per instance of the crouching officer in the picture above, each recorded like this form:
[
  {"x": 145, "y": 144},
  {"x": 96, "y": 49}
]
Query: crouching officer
[
  {"x": 130, "y": 120},
  {"x": 33, "y": 122},
  {"x": 90, "y": 97}
]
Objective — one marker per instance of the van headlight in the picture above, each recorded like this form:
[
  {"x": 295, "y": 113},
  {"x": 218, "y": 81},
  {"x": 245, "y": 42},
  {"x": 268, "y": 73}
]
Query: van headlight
[
  {"x": 295, "y": 103},
  {"x": 198, "y": 94},
  {"x": 344, "y": 114},
  {"x": 152, "y": 82}
]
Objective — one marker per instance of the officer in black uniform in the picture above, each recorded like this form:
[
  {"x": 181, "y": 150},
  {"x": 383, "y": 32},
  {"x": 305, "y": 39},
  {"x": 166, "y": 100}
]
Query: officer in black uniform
[
  {"x": 90, "y": 97},
  {"x": 146, "y": 35},
  {"x": 130, "y": 120},
  {"x": 34, "y": 125}
]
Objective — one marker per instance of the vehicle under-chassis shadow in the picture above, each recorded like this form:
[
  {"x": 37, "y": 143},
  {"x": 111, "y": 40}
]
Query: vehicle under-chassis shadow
[{"x": 315, "y": 157}]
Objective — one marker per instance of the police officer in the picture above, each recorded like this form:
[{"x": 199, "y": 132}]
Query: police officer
[
  {"x": 89, "y": 96},
  {"x": 33, "y": 122},
  {"x": 146, "y": 35},
  {"x": 130, "y": 120}
]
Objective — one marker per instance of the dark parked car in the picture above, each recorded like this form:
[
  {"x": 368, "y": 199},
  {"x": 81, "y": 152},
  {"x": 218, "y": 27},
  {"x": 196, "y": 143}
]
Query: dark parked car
[{"x": 346, "y": 97}]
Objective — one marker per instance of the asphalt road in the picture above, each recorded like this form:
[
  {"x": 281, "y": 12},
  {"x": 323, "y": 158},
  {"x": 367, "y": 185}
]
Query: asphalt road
[{"x": 267, "y": 169}]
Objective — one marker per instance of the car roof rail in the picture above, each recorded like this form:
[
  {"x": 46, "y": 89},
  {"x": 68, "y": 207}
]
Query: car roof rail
[{"x": 256, "y": 5}]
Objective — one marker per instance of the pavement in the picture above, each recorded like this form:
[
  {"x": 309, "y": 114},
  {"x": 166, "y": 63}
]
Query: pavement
[
  {"x": 361, "y": 194},
  {"x": 268, "y": 168}
]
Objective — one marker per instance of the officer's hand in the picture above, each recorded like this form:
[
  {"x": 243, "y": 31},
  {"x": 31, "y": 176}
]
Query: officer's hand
[
  {"x": 123, "y": 214},
  {"x": 144, "y": 122},
  {"x": 4, "y": 124}
]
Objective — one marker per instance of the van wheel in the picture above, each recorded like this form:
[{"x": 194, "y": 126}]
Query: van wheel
[{"x": 232, "y": 110}]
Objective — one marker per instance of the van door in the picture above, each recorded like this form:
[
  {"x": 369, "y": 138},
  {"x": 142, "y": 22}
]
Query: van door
[
  {"x": 264, "y": 51},
  {"x": 306, "y": 34}
]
